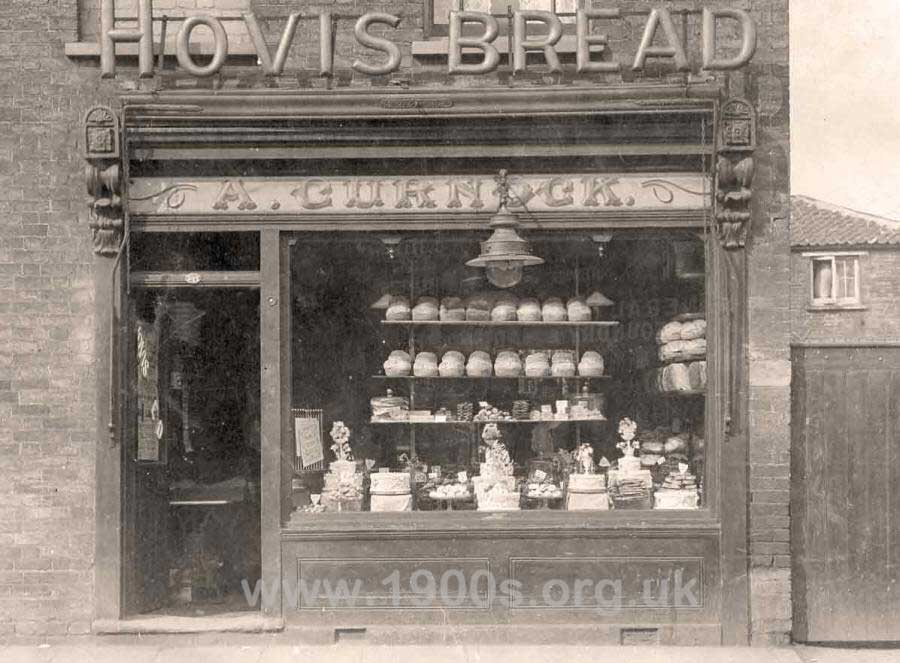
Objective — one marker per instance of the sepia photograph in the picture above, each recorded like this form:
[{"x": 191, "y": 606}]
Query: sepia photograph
[{"x": 449, "y": 330}]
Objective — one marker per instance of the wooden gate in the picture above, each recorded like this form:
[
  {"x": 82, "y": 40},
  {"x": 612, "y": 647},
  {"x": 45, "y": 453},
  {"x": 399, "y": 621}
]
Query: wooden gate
[{"x": 845, "y": 502}]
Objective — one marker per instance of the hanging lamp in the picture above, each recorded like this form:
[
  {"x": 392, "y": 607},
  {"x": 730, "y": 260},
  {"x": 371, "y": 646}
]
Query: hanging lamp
[{"x": 504, "y": 254}]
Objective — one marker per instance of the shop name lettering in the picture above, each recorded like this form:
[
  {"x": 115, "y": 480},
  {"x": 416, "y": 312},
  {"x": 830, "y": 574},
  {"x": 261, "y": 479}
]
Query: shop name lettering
[
  {"x": 363, "y": 194},
  {"x": 660, "y": 40}
]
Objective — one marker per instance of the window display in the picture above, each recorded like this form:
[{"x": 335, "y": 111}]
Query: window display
[{"x": 580, "y": 387}]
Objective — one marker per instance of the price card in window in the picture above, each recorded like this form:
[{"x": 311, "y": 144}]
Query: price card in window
[{"x": 308, "y": 440}]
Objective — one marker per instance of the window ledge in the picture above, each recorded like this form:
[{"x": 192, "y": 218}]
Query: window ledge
[{"x": 819, "y": 308}]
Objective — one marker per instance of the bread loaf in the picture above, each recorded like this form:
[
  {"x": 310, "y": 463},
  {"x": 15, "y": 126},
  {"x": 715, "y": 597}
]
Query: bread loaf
[
  {"x": 398, "y": 309},
  {"x": 426, "y": 308},
  {"x": 669, "y": 332}
]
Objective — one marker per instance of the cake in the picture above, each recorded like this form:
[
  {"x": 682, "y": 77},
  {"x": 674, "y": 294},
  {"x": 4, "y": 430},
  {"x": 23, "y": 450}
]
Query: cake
[
  {"x": 398, "y": 364},
  {"x": 553, "y": 310},
  {"x": 450, "y": 491},
  {"x": 543, "y": 490},
  {"x": 398, "y": 309},
  {"x": 426, "y": 308},
  {"x": 426, "y": 365},
  {"x": 529, "y": 310},
  {"x": 678, "y": 491},
  {"x": 499, "y": 498},
  {"x": 577, "y": 310},
  {"x": 452, "y": 309},
  {"x": 587, "y": 483},
  {"x": 389, "y": 408},
  {"x": 389, "y": 483},
  {"x": 508, "y": 365}
]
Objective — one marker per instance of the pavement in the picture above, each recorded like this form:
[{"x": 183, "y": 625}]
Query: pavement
[{"x": 178, "y": 649}]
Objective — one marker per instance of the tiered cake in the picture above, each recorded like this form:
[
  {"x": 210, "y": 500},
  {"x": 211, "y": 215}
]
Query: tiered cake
[
  {"x": 390, "y": 491},
  {"x": 495, "y": 485},
  {"x": 343, "y": 489},
  {"x": 678, "y": 491}
]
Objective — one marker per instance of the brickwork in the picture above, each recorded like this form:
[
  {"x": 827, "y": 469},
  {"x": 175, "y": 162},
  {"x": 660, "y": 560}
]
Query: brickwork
[
  {"x": 47, "y": 431},
  {"x": 878, "y": 321}
]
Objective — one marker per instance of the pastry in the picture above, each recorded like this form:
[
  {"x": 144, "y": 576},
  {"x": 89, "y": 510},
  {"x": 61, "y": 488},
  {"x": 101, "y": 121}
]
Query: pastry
[
  {"x": 508, "y": 365},
  {"x": 398, "y": 364},
  {"x": 591, "y": 364},
  {"x": 452, "y": 309},
  {"x": 426, "y": 308},
  {"x": 553, "y": 310},
  {"x": 529, "y": 310},
  {"x": 426, "y": 365},
  {"x": 398, "y": 309},
  {"x": 577, "y": 310}
]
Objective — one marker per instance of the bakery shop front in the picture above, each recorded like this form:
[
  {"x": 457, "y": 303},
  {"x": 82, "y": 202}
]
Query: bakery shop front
[
  {"x": 397, "y": 359},
  {"x": 406, "y": 360}
]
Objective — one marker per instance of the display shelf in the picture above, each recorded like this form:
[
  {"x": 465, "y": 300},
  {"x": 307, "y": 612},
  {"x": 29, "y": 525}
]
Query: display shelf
[
  {"x": 480, "y": 423},
  {"x": 496, "y": 323},
  {"x": 681, "y": 394},
  {"x": 543, "y": 378}
]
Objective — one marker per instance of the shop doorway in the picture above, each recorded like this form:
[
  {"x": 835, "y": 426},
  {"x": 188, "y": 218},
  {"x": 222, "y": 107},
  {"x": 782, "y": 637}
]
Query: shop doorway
[{"x": 192, "y": 453}]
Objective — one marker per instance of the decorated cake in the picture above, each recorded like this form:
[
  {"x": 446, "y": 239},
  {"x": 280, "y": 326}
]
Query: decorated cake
[
  {"x": 343, "y": 489},
  {"x": 587, "y": 483},
  {"x": 495, "y": 486},
  {"x": 389, "y": 483},
  {"x": 499, "y": 498},
  {"x": 678, "y": 491},
  {"x": 630, "y": 487}
]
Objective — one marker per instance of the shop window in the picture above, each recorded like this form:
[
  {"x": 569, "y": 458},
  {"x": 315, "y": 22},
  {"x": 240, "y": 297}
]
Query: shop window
[
  {"x": 835, "y": 280},
  {"x": 418, "y": 384},
  {"x": 189, "y": 252}
]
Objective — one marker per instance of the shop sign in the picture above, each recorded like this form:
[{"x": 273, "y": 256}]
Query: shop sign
[
  {"x": 661, "y": 39},
  {"x": 414, "y": 195}
]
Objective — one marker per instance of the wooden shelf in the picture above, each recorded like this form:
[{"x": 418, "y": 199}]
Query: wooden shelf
[
  {"x": 544, "y": 378},
  {"x": 492, "y": 323},
  {"x": 480, "y": 423},
  {"x": 681, "y": 394}
]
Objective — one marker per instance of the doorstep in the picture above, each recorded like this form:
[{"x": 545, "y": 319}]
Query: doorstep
[{"x": 224, "y": 623}]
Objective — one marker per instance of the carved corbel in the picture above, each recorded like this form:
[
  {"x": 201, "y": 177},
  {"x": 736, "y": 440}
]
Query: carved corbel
[
  {"x": 734, "y": 171},
  {"x": 103, "y": 177}
]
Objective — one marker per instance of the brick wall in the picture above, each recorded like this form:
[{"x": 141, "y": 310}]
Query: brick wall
[
  {"x": 878, "y": 321},
  {"x": 769, "y": 333},
  {"x": 47, "y": 434}
]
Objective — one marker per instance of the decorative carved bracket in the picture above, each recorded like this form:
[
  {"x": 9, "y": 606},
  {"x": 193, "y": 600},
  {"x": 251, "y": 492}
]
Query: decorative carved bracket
[
  {"x": 103, "y": 177},
  {"x": 734, "y": 171}
]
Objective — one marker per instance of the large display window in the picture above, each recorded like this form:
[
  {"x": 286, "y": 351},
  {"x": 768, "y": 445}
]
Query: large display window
[{"x": 420, "y": 383}]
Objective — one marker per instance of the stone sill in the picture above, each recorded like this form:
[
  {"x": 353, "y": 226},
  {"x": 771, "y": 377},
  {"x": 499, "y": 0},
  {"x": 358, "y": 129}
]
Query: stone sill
[{"x": 832, "y": 308}]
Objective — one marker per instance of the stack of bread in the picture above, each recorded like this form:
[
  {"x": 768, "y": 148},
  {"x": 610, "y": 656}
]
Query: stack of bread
[{"x": 682, "y": 347}]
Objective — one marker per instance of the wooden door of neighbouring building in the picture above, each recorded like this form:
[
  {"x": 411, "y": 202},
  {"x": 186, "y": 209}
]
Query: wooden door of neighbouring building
[{"x": 845, "y": 504}]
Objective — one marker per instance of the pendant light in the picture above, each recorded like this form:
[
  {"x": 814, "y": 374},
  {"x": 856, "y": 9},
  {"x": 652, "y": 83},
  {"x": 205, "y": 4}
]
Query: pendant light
[{"x": 504, "y": 254}]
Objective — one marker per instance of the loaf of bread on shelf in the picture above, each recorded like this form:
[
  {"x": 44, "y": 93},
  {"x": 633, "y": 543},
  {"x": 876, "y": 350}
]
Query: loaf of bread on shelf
[
  {"x": 453, "y": 364},
  {"x": 398, "y": 308},
  {"x": 591, "y": 364},
  {"x": 529, "y": 310},
  {"x": 479, "y": 364},
  {"x": 697, "y": 375},
  {"x": 693, "y": 329},
  {"x": 508, "y": 365},
  {"x": 425, "y": 365},
  {"x": 478, "y": 307},
  {"x": 562, "y": 364},
  {"x": 676, "y": 377},
  {"x": 537, "y": 365},
  {"x": 680, "y": 350},
  {"x": 504, "y": 309},
  {"x": 553, "y": 310},
  {"x": 671, "y": 331},
  {"x": 426, "y": 308},
  {"x": 452, "y": 309},
  {"x": 398, "y": 364},
  {"x": 577, "y": 310}
]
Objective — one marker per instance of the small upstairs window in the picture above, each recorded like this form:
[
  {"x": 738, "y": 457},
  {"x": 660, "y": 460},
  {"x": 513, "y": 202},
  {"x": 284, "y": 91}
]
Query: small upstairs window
[{"x": 835, "y": 280}]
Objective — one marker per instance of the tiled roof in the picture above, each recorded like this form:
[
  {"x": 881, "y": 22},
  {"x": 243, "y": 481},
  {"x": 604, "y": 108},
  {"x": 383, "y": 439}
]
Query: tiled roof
[{"x": 816, "y": 223}]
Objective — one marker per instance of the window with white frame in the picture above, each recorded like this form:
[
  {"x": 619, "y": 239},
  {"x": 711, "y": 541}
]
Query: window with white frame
[{"x": 835, "y": 279}]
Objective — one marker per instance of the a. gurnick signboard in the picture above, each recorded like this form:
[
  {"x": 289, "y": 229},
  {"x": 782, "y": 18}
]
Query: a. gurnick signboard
[{"x": 471, "y": 32}]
